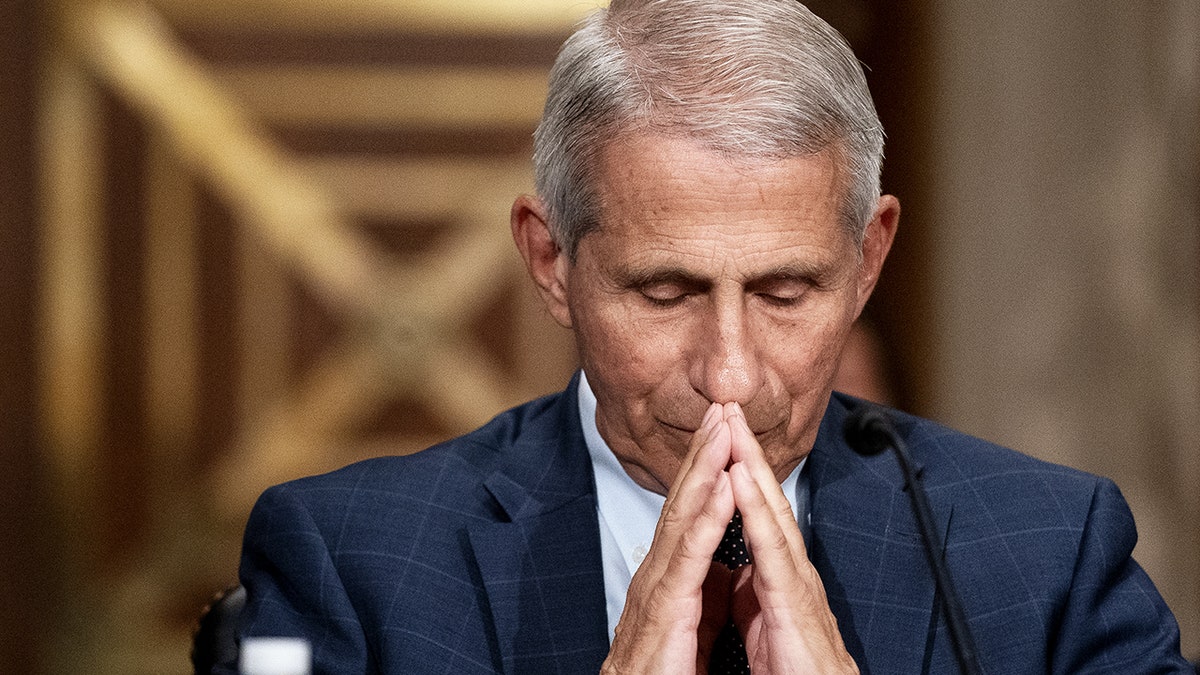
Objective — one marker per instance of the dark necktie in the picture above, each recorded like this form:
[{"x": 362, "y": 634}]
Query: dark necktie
[{"x": 729, "y": 652}]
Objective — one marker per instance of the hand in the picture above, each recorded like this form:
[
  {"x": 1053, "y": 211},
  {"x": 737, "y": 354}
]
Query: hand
[
  {"x": 679, "y": 599},
  {"x": 779, "y": 602}
]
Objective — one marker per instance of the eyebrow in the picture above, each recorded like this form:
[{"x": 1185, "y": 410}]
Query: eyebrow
[
  {"x": 793, "y": 272},
  {"x": 639, "y": 278}
]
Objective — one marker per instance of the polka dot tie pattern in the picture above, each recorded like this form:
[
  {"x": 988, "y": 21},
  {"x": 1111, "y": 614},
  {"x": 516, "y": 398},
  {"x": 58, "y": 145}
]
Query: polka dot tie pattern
[
  {"x": 729, "y": 652},
  {"x": 731, "y": 552}
]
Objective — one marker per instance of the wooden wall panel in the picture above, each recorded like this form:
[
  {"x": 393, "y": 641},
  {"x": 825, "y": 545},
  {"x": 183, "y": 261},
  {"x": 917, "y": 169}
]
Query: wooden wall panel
[
  {"x": 264, "y": 266},
  {"x": 28, "y": 580}
]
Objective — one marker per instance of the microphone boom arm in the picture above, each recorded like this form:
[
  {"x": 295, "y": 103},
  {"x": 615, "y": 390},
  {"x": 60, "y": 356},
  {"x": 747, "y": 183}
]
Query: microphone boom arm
[{"x": 869, "y": 431}]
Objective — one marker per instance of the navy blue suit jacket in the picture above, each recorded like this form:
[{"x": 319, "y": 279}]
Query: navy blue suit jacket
[{"x": 482, "y": 555}]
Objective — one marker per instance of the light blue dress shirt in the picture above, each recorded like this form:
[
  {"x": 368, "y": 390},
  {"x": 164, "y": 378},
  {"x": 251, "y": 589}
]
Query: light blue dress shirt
[{"x": 628, "y": 512}]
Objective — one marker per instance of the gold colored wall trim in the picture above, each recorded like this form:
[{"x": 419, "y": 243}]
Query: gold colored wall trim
[
  {"x": 426, "y": 97},
  {"x": 458, "y": 16}
]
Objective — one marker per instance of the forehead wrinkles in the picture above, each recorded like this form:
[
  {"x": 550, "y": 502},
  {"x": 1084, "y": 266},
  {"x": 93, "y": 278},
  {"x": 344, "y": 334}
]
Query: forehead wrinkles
[
  {"x": 670, "y": 197},
  {"x": 654, "y": 173},
  {"x": 707, "y": 231},
  {"x": 628, "y": 174}
]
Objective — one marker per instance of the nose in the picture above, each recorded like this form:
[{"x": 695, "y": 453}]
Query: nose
[{"x": 726, "y": 365}]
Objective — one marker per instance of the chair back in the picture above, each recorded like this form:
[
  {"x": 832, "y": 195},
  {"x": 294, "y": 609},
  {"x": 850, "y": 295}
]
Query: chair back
[{"x": 214, "y": 643}]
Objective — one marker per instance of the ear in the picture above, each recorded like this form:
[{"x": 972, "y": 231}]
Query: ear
[
  {"x": 877, "y": 241},
  {"x": 546, "y": 263}
]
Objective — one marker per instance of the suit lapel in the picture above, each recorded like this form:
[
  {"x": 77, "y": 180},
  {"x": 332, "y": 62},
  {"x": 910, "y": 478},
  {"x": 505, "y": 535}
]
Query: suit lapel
[
  {"x": 541, "y": 564},
  {"x": 868, "y": 551}
]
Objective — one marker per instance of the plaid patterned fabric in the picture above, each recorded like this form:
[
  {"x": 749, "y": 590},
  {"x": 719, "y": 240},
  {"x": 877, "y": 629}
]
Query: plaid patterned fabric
[{"x": 482, "y": 555}]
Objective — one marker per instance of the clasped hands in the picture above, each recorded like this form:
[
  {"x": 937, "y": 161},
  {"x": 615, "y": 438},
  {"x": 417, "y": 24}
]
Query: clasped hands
[{"x": 679, "y": 599}]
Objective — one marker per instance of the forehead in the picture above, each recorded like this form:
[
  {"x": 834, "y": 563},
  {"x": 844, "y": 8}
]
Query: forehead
[{"x": 670, "y": 197}]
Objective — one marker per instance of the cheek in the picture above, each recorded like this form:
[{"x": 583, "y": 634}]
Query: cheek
[
  {"x": 617, "y": 347},
  {"x": 642, "y": 360},
  {"x": 806, "y": 354}
]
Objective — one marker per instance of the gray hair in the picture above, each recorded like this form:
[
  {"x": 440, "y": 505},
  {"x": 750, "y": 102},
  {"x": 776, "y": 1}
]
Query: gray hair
[{"x": 751, "y": 79}]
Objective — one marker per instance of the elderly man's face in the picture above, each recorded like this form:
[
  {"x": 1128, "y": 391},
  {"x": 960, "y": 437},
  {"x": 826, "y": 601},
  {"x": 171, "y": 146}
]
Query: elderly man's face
[{"x": 712, "y": 281}]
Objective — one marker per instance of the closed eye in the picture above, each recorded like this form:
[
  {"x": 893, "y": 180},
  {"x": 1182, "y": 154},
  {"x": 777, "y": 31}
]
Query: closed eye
[
  {"x": 781, "y": 291},
  {"x": 780, "y": 300},
  {"x": 665, "y": 294},
  {"x": 664, "y": 287}
]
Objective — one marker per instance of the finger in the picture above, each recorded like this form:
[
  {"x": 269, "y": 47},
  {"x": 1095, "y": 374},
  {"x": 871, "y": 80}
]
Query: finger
[
  {"x": 667, "y": 614},
  {"x": 744, "y": 449},
  {"x": 698, "y": 541},
  {"x": 681, "y": 554},
  {"x": 708, "y": 426},
  {"x": 702, "y": 442},
  {"x": 763, "y": 498},
  {"x": 704, "y": 486},
  {"x": 699, "y": 503},
  {"x": 781, "y": 588},
  {"x": 774, "y": 541}
]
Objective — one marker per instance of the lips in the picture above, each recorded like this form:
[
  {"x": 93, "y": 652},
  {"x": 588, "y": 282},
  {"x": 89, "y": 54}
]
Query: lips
[
  {"x": 674, "y": 427},
  {"x": 759, "y": 430}
]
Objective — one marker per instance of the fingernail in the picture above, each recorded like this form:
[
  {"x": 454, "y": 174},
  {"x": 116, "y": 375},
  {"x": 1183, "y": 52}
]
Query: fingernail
[
  {"x": 721, "y": 483},
  {"x": 731, "y": 412}
]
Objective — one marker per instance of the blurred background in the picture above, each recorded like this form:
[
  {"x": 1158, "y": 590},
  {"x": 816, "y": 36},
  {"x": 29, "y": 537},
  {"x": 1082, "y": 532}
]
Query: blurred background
[{"x": 247, "y": 240}]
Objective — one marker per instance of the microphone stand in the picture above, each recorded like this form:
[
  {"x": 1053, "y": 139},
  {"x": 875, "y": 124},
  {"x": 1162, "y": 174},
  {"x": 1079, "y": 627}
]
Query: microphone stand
[{"x": 869, "y": 431}]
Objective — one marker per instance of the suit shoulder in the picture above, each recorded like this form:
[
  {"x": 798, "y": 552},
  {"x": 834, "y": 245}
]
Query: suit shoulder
[
  {"x": 950, "y": 456},
  {"x": 1000, "y": 490},
  {"x": 982, "y": 477},
  {"x": 446, "y": 475}
]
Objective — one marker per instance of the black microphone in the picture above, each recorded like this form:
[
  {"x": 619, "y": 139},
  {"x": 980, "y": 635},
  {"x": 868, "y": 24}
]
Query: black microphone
[{"x": 869, "y": 431}]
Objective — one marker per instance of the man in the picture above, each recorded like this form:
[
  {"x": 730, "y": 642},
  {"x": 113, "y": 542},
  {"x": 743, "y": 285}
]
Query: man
[{"x": 709, "y": 225}]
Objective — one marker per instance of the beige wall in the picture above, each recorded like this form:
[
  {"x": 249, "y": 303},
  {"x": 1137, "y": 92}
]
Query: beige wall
[{"x": 1065, "y": 250}]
